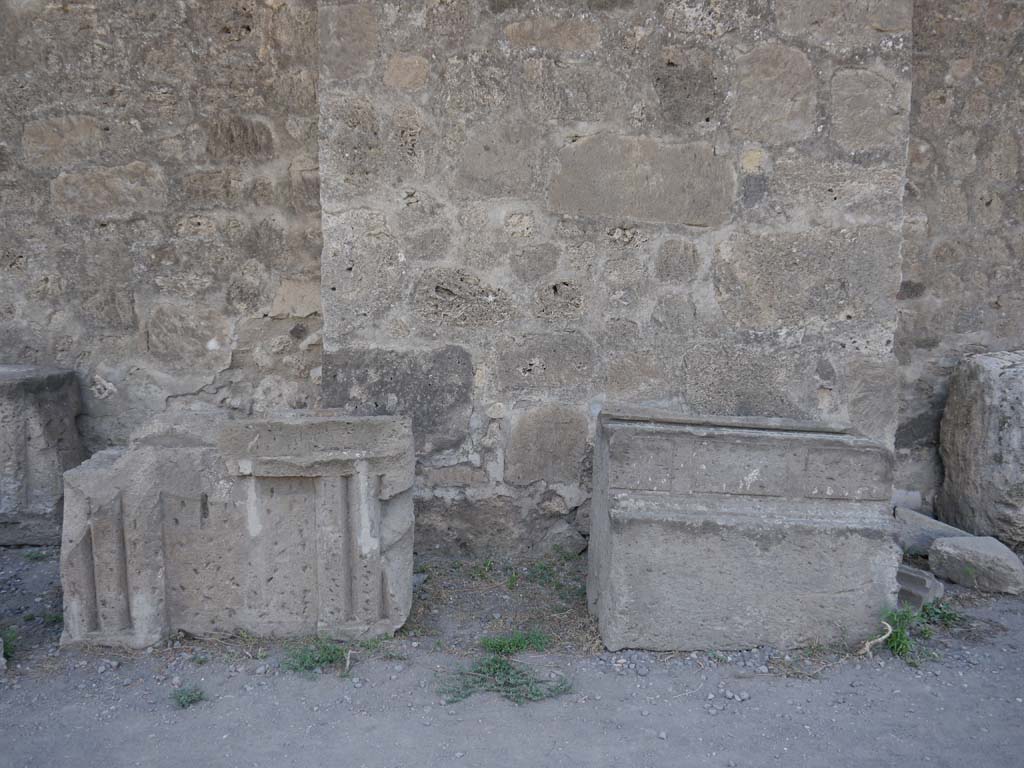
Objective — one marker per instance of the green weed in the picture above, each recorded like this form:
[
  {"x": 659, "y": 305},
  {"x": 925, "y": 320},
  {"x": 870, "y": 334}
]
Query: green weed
[
  {"x": 10, "y": 637},
  {"x": 184, "y": 698},
  {"x": 316, "y": 653},
  {"x": 514, "y": 642},
  {"x": 35, "y": 555}
]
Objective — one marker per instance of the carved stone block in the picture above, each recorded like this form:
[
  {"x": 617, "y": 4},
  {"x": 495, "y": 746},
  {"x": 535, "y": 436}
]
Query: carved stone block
[
  {"x": 281, "y": 526},
  {"x": 737, "y": 534}
]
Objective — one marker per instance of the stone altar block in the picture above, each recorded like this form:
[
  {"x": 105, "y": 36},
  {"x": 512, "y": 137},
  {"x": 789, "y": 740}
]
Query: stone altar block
[
  {"x": 739, "y": 533},
  {"x": 38, "y": 442},
  {"x": 281, "y": 526}
]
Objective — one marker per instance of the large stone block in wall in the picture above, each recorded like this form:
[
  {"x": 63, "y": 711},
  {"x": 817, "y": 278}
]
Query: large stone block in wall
[
  {"x": 737, "y": 534},
  {"x": 38, "y": 442},
  {"x": 281, "y": 526},
  {"x": 982, "y": 446}
]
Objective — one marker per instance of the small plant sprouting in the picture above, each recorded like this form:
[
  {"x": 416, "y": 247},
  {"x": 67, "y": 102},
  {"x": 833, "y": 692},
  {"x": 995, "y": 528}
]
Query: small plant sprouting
[
  {"x": 10, "y": 637},
  {"x": 185, "y": 697},
  {"x": 316, "y": 653},
  {"x": 36, "y": 555},
  {"x": 514, "y": 642},
  {"x": 910, "y": 626}
]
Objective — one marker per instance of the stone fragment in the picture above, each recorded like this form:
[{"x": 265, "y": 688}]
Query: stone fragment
[
  {"x": 555, "y": 34},
  {"x": 738, "y": 534},
  {"x": 917, "y": 587},
  {"x": 38, "y": 443},
  {"x": 232, "y": 137},
  {"x": 561, "y": 539},
  {"x": 285, "y": 526},
  {"x": 110, "y": 192},
  {"x": 546, "y": 443},
  {"x": 433, "y": 387},
  {"x": 552, "y": 362},
  {"x": 915, "y": 532},
  {"x": 296, "y": 298},
  {"x": 406, "y": 73},
  {"x": 643, "y": 179},
  {"x": 348, "y": 39},
  {"x": 982, "y": 446},
  {"x": 775, "y": 95},
  {"x": 843, "y": 23},
  {"x": 978, "y": 562},
  {"x": 57, "y": 142},
  {"x": 868, "y": 112}
]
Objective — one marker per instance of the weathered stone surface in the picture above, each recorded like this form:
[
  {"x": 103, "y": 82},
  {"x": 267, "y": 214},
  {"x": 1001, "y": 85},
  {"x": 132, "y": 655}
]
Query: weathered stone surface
[
  {"x": 982, "y": 445},
  {"x": 844, "y": 22},
  {"x": 737, "y": 535},
  {"x": 916, "y": 532},
  {"x": 917, "y": 587},
  {"x": 38, "y": 443},
  {"x": 348, "y": 38},
  {"x": 645, "y": 180},
  {"x": 869, "y": 111},
  {"x": 557, "y": 34},
  {"x": 434, "y": 388},
  {"x": 979, "y": 562},
  {"x": 407, "y": 73},
  {"x": 110, "y": 192},
  {"x": 284, "y": 526},
  {"x": 61, "y": 141},
  {"x": 775, "y": 95},
  {"x": 546, "y": 443}
]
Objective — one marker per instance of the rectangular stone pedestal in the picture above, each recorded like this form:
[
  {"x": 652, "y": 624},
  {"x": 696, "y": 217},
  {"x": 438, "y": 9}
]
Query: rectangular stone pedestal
[
  {"x": 283, "y": 526},
  {"x": 38, "y": 442},
  {"x": 729, "y": 536}
]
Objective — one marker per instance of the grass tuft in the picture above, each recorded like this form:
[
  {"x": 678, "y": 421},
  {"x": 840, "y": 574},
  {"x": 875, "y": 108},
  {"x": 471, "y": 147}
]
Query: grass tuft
[
  {"x": 36, "y": 555},
  {"x": 10, "y": 637},
  {"x": 909, "y": 627},
  {"x": 514, "y": 642},
  {"x": 500, "y": 675},
  {"x": 316, "y": 653},
  {"x": 184, "y": 698}
]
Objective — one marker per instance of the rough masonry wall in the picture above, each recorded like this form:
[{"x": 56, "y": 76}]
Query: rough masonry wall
[
  {"x": 963, "y": 281},
  {"x": 159, "y": 205},
  {"x": 533, "y": 208}
]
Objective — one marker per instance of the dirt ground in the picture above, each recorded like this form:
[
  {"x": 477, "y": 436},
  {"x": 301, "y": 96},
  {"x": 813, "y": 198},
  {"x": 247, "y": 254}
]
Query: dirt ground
[{"x": 963, "y": 704}]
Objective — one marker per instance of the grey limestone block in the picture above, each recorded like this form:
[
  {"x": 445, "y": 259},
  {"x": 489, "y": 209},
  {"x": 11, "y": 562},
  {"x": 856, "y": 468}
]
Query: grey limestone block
[{"x": 737, "y": 533}]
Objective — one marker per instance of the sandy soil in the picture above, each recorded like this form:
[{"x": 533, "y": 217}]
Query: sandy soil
[{"x": 80, "y": 707}]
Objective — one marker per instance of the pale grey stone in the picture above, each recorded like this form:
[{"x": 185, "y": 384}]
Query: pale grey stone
[
  {"x": 982, "y": 446},
  {"x": 915, "y": 532},
  {"x": 979, "y": 562},
  {"x": 737, "y": 535},
  {"x": 645, "y": 180}
]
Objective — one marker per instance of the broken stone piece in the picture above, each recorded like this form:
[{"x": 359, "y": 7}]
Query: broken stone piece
[
  {"x": 737, "y": 534},
  {"x": 915, "y": 532},
  {"x": 283, "y": 526},
  {"x": 979, "y": 562},
  {"x": 917, "y": 587},
  {"x": 38, "y": 442},
  {"x": 982, "y": 446}
]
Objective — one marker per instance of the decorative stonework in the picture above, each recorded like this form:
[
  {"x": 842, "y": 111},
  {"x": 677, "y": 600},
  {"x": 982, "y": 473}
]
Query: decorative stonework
[{"x": 280, "y": 526}]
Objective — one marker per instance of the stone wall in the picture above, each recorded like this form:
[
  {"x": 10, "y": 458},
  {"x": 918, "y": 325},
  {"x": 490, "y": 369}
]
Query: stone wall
[
  {"x": 159, "y": 206},
  {"x": 533, "y": 208},
  {"x": 530, "y": 209},
  {"x": 963, "y": 282}
]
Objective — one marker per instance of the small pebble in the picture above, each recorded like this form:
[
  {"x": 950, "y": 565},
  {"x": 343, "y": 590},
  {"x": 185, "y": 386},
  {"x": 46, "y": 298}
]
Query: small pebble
[{"x": 662, "y": 735}]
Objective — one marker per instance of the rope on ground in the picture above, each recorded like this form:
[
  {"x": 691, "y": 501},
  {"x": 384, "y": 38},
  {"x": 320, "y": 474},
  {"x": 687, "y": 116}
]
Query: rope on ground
[{"x": 866, "y": 648}]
